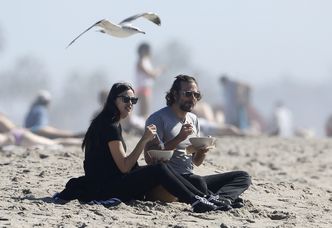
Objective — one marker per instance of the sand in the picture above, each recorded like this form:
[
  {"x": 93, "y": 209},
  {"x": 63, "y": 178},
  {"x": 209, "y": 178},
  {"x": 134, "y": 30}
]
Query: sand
[{"x": 292, "y": 187}]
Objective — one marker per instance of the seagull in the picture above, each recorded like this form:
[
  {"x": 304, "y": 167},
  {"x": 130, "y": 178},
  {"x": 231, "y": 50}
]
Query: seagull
[{"x": 124, "y": 28}]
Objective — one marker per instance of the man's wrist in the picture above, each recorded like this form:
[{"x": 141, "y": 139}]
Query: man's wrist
[{"x": 174, "y": 142}]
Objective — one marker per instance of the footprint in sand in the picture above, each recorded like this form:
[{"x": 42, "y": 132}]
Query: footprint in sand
[
  {"x": 26, "y": 191},
  {"x": 279, "y": 215},
  {"x": 43, "y": 156}
]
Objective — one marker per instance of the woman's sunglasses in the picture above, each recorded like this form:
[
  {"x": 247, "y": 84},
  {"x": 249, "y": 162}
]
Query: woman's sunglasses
[
  {"x": 126, "y": 99},
  {"x": 197, "y": 95}
]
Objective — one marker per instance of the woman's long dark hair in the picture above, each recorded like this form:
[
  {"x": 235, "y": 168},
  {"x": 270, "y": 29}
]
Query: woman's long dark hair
[{"x": 109, "y": 114}]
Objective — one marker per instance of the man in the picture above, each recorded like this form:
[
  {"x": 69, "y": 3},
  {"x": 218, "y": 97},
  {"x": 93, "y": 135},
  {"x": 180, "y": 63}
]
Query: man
[{"x": 175, "y": 124}]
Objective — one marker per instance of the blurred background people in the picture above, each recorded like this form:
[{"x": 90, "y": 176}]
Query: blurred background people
[
  {"x": 236, "y": 102},
  {"x": 281, "y": 121},
  {"x": 102, "y": 97},
  {"x": 37, "y": 116},
  {"x": 238, "y": 108},
  {"x": 10, "y": 134},
  {"x": 146, "y": 74},
  {"x": 212, "y": 121},
  {"x": 258, "y": 123},
  {"x": 328, "y": 126},
  {"x": 37, "y": 120}
]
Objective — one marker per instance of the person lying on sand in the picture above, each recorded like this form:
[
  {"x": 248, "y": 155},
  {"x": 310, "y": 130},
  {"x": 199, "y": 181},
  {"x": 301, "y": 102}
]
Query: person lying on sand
[
  {"x": 175, "y": 125},
  {"x": 209, "y": 125},
  {"x": 37, "y": 122},
  {"x": 110, "y": 172},
  {"x": 10, "y": 134}
]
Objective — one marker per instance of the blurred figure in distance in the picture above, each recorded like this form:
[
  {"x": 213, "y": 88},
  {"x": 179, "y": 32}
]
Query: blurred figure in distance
[
  {"x": 146, "y": 74},
  {"x": 37, "y": 120}
]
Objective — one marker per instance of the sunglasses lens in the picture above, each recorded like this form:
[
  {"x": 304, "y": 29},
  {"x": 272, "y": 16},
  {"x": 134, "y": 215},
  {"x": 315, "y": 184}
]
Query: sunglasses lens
[
  {"x": 126, "y": 99},
  {"x": 191, "y": 93},
  {"x": 188, "y": 94},
  {"x": 134, "y": 100},
  {"x": 197, "y": 95}
]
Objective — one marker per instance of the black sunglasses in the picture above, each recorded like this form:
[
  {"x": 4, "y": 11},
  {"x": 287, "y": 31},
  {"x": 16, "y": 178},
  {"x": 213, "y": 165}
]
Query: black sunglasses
[
  {"x": 126, "y": 99},
  {"x": 197, "y": 95}
]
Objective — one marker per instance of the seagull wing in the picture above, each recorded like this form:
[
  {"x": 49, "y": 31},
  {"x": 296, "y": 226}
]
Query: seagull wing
[
  {"x": 150, "y": 16},
  {"x": 84, "y": 32},
  {"x": 108, "y": 26}
]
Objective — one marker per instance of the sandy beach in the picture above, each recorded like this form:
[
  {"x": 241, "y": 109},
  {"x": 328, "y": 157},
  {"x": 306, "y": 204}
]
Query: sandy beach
[{"x": 291, "y": 187}]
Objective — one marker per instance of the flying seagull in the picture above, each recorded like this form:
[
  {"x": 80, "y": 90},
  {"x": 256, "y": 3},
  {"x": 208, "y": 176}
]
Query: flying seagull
[{"x": 123, "y": 29}]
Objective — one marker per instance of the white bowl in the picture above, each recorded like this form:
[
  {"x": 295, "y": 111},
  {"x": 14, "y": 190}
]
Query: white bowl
[
  {"x": 164, "y": 155},
  {"x": 202, "y": 141}
]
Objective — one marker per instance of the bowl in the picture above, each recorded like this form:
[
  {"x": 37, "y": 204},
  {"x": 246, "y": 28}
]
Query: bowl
[
  {"x": 202, "y": 141},
  {"x": 164, "y": 155}
]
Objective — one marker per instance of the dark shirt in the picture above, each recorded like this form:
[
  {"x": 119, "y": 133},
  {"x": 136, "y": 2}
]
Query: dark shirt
[
  {"x": 101, "y": 172},
  {"x": 99, "y": 165}
]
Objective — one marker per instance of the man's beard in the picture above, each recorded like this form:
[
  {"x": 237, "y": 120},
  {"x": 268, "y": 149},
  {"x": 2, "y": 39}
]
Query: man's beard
[{"x": 187, "y": 106}]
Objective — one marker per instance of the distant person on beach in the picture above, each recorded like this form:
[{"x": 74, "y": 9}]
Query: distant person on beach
[
  {"x": 175, "y": 124},
  {"x": 10, "y": 134},
  {"x": 236, "y": 101},
  {"x": 37, "y": 119},
  {"x": 111, "y": 172},
  {"x": 146, "y": 74},
  {"x": 210, "y": 123},
  {"x": 281, "y": 121},
  {"x": 328, "y": 127}
]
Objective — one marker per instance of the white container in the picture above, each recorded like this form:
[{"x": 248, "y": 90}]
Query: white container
[
  {"x": 164, "y": 155},
  {"x": 202, "y": 141}
]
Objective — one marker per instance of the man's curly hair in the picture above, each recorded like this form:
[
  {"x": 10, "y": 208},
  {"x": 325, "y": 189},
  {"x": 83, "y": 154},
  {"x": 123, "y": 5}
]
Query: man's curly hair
[{"x": 176, "y": 87}]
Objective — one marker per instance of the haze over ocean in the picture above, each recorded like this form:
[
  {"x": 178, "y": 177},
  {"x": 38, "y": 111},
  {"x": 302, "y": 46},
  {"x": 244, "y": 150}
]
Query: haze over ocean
[{"x": 281, "y": 48}]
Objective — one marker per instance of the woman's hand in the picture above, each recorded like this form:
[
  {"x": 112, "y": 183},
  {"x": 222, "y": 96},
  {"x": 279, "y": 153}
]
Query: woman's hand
[{"x": 149, "y": 133}]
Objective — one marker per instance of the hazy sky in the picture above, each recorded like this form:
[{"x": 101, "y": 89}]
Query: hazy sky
[{"x": 256, "y": 40}]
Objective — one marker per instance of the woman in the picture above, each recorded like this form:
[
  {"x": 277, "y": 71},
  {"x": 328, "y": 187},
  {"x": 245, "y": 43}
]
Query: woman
[
  {"x": 146, "y": 75},
  {"x": 110, "y": 172}
]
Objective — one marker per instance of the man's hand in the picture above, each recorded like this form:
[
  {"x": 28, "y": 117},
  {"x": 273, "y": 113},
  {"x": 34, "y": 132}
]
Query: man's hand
[
  {"x": 199, "y": 154},
  {"x": 198, "y": 150},
  {"x": 185, "y": 131},
  {"x": 202, "y": 150}
]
